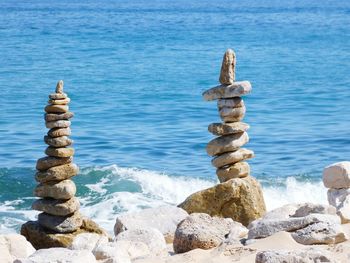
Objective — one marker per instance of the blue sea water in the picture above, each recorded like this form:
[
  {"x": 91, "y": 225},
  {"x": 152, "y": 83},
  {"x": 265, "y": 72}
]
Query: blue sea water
[{"x": 135, "y": 71}]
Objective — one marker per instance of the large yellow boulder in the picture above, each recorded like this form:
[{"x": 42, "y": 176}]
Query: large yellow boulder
[{"x": 240, "y": 199}]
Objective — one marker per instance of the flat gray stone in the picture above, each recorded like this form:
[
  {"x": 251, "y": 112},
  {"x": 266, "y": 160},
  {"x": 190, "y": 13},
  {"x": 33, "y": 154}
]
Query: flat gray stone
[
  {"x": 58, "y": 96},
  {"x": 57, "y": 173},
  {"x": 59, "y": 152},
  {"x": 236, "y": 102},
  {"x": 61, "y": 224},
  {"x": 48, "y": 162},
  {"x": 320, "y": 233},
  {"x": 309, "y": 208},
  {"x": 59, "y": 116},
  {"x": 227, "y": 128},
  {"x": 58, "y": 132},
  {"x": 309, "y": 255},
  {"x": 59, "y": 101},
  {"x": 62, "y": 190},
  {"x": 237, "y": 170},
  {"x": 227, "y": 143},
  {"x": 237, "y": 89},
  {"x": 57, "y": 124},
  {"x": 227, "y": 73},
  {"x": 266, "y": 227},
  {"x": 61, "y": 141},
  {"x": 232, "y": 114},
  {"x": 56, "y": 108},
  {"x": 57, "y": 207},
  {"x": 232, "y": 157}
]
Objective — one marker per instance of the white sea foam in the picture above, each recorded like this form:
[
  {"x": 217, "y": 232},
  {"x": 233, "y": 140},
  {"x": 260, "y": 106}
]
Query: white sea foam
[{"x": 119, "y": 190}]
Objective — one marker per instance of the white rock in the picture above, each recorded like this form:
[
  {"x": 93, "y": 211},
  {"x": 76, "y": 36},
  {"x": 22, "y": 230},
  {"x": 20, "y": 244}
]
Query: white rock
[
  {"x": 340, "y": 199},
  {"x": 152, "y": 237},
  {"x": 337, "y": 175},
  {"x": 320, "y": 233},
  {"x": 127, "y": 250},
  {"x": 282, "y": 212},
  {"x": 266, "y": 227},
  {"x": 59, "y": 255},
  {"x": 108, "y": 252},
  {"x": 311, "y": 255},
  {"x": 14, "y": 246},
  {"x": 164, "y": 218},
  {"x": 88, "y": 241}
]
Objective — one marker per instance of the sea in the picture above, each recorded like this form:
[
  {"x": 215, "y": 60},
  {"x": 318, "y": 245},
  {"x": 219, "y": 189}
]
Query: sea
[{"x": 135, "y": 72}]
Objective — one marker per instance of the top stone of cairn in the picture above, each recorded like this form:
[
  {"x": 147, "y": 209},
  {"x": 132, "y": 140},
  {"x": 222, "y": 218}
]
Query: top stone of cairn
[
  {"x": 59, "y": 87},
  {"x": 229, "y": 88},
  {"x": 227, "y": 74}
]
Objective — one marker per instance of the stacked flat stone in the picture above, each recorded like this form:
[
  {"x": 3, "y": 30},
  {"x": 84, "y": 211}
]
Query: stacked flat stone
[
  {"x": 59, "y": 206},
  {"x": 336, "y": 177},
  {"x": 229, "y": 157}
]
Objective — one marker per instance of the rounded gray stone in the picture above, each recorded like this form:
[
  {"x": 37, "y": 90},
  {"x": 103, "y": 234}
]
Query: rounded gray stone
[
  {"x": 59, "y": 116},
  {"x": 57, "y": 207},
  {"x": 232, "y": 157},
  {"x": 61, "y": 224},
  {"x": 227, "y": 143},
  {"x": 63, "y": 190},
  {"x": 57, "y": 173},
  {"x": 59, "y": 152},
  {"x": 48, "y": 162},
  {"x": 227, "y": 128},
  {"x": 58, "y": 132},
  {"x": 61, "y": 141},
  {"x": 56, "y": 108},
  {"x": 57, "y": 124}
]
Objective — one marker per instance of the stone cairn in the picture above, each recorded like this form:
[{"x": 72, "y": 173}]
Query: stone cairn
[
  {"x": 56, "y": 190},
  {"x": 229, "y": 158},
  {"x": 60, "y": 219}
]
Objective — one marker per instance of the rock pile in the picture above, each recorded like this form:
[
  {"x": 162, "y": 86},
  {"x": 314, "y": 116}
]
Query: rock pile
[
  {"x": 229, "y": 157},
  {"x": 336, "y": 177},
  {"x": 238, "y": 195},
  {"x": 58, "y": 204}
]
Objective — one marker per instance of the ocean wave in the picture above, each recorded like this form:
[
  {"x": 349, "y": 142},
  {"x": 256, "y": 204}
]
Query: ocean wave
[{"x": 107, "y": 191}]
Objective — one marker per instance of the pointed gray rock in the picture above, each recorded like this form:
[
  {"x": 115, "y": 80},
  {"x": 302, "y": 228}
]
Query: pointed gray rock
[{"x": 227, "y": 73}]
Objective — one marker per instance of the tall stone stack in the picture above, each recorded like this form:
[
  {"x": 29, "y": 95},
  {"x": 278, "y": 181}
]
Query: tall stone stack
[
  {"x": 59, "y": 220},
  {"x": 238, "y": 195},
  {"x": 229, "y": 157}
]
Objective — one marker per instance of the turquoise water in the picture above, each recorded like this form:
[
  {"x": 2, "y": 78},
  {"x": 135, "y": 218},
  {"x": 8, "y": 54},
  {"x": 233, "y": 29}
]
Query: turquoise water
[{"x": 135, "y": 71}]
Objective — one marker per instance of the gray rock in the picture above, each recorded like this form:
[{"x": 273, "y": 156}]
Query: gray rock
[
  {"x": 57, "y": 173},
  {"x": 227, "y": 128},
  {"x": 236, "y": 102},
  {"x": 152, "y": 237},
  {"x": 340, "y": 199},
  {"x": 61, "y": 224},
  {"x": 283, "y": 212},
  {"x": 266, "y": 227},
  {"x": 237, "y": 170},
  {"x": 59, "y": 102},
  {"x": 59, "y": 87},
  {"x": 61, "y": 141},
  {"x": 58, "y": 190},
  {"x": 232, "y": 157},
  {"x": 320, "y": 233},
  {"x": 202, "y": 231},
  {"x": 58, "y": 96},
  {"x": 337, "y": 175},
  {"x": 57, "y": 207},
  {"x": 56, "y": 117},
  {"x": 309, "y": 208},
  {"x": 164, "y": 218},
  {"x": 57, "y": 132},
  {"x": 227, "y": 143},
  {"x": 236, "y": 89},
  {"x": 232, "y": 114},
  {"x": 227, "y": 73},
  {"x": 56, "y": 108},
  {"x": 58, "y": 124},
  {"x": 310, "y": 255},
  {"x": 59, "y": 255},
  {"x": 59, "y": 152},
  {"x": 48, "y": 162}
]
